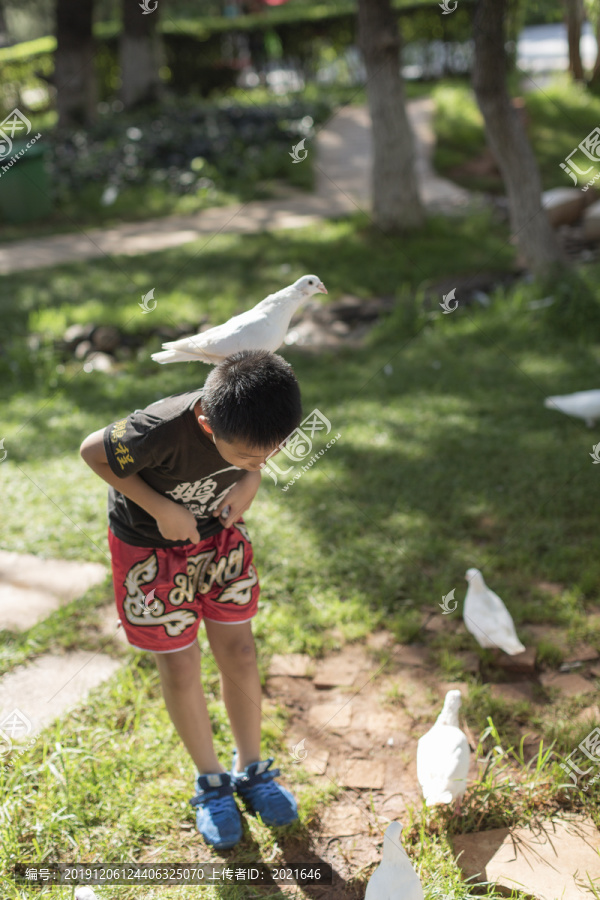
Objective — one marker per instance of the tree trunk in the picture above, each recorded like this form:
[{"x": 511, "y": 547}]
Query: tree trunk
[
  {"x": 396, "y": 202},
  {"x": 574, "y": 14},
  {"x": 508, "y": 140},
  {"x": 139, "y": 55},
  {"x": 74, "y": 75},
  {"x": 595, "y": 76}
]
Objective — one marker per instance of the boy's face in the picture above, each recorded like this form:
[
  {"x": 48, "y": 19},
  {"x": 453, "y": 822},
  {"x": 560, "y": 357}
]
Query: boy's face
[
  {"x": 238, "y": 454},
  {"x": 235, "y": 453}
]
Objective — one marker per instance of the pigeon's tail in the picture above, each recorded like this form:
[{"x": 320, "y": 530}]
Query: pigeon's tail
[
  {"x": 171, "y": 356},
  {"x": 438, "y": 797},
  {"x": 512, "y": 647}
]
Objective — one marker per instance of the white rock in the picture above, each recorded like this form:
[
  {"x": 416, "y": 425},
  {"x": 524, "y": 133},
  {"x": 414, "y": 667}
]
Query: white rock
[{"x": 563, "y": 205}]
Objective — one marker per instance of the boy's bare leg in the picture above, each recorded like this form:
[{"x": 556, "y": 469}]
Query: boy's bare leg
[
  {"x": 233, "y": 647},
  {"x": 184, "y": 698}
]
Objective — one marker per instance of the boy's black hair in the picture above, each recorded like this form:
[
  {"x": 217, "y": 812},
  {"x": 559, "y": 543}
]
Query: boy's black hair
[{"x": 252, "y": 396}]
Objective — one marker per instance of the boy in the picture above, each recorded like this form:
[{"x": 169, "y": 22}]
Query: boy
[{"x": 181, "y": 473}]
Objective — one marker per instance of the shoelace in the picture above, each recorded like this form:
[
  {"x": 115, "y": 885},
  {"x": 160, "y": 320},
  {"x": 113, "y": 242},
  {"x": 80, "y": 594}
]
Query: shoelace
[{"x": 218, "y": 797}]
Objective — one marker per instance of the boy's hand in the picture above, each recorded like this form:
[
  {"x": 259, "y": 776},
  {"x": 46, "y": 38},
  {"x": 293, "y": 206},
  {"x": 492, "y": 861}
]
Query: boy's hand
[
  {"x": 238, "y": 499},
  {"x": 176, "y": 523}
]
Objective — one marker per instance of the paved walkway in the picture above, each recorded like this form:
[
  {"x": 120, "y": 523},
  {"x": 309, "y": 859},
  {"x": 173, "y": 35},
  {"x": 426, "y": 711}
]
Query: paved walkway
[{"x": 343, "y": 168}]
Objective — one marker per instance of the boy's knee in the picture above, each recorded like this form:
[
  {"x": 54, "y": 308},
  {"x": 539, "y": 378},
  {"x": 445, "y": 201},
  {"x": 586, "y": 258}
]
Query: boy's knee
[
  {"x": 238, "y": 652},
  {"x": 180, "y": 666}
]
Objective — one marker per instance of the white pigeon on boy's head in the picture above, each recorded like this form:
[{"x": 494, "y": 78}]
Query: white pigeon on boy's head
[
  {"x": 394, "y": 878},
  {"x": 487, "y": 618},
  {"x": 261, "y": 328}
]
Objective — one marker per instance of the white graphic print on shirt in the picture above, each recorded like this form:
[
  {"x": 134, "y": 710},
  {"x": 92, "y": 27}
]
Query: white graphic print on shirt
[{"x": 197, "y": 495}]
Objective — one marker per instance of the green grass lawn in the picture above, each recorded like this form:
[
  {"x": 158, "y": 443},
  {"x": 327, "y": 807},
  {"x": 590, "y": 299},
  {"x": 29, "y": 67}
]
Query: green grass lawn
[
  {"x": 560, "y": 116},
  {"x": 447, "y": 459}
]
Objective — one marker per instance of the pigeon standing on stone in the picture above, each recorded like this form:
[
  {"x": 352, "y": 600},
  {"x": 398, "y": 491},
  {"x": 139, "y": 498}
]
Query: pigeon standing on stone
[
  {"x": 394, "y": 878},
  {"x": 582, "y": 404},
  {"x": 443, "y": 756},
  {"x": 487, "y": 618},
  {"x": 261, "y": 328}
]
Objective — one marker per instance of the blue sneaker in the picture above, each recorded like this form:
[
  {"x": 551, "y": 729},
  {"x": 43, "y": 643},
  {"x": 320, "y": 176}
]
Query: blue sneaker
[
  {"x": 257, "y": 787},
  {"x": 217, "y": 815}
]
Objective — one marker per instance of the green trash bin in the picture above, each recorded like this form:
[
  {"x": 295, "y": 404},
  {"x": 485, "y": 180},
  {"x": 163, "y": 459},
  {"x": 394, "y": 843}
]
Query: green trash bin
[{"x": 24, "y": 184}]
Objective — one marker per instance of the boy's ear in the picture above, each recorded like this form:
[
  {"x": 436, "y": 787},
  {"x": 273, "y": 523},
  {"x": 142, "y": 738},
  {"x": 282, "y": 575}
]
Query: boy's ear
[{"x": 204, "y": 424}]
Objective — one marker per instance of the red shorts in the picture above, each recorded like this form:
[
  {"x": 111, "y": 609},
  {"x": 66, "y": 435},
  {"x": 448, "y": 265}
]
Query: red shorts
[{"x": 163, "y": 593}]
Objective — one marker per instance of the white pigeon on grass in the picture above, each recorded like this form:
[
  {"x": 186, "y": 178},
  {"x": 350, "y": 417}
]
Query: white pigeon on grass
[
  {"x": 261, "y": 328},
  {"x": 487, "y": 618},
  {"x": 443, "y": 756},
  {"x": 582, "y": 404},
  {"x": 85, "y": 893},
  {"x": 394, "y": 878}
]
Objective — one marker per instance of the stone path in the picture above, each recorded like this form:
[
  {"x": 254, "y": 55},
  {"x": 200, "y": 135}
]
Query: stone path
[
  {"x": 354, "y": 721},
  {"x": 31, "y": 588},
  {"x": 343, "y": 172}
]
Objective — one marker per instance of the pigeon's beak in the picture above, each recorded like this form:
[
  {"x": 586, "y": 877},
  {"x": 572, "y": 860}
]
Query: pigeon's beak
[{"x": 321, "y": 287}]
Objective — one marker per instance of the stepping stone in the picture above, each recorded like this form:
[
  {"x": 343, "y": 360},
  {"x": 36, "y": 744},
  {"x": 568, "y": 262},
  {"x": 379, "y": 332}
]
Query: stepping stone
[
  {"x": 590, "y": 715},
  {"x": 336, "y": 673},
  {"x": 411, "y": 655},
  {"x": 520, "y": 663},
  {"x": 518, "y": 690},
  {"x": 110, "y": 624},
  {"x": 595, "y": 671},
  {"x": 582, "y": 653},
  {"x": 293, "y": 665},
  {"x": 362, "y": 773},
  {"x": 380, "y": 722},
  {"x": 557, "y": 859},
  {"x": 438, "y": 624},
  {"x": 567, "y": 685},
  {"x": 31, "y": 588},
  {"x": 316, "y": 761},
  {"x": 50, "y": 685},
  {"x": 379, "y": 640},
  {"x": 469, "y": 661},
  {"x": 330, "y": 716},
  {"x": 343, "y": 820},
  {"x": 445, "y": 686}
]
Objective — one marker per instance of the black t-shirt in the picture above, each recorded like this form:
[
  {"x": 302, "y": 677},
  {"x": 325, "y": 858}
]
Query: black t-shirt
[{"x": 166, "y": 447}]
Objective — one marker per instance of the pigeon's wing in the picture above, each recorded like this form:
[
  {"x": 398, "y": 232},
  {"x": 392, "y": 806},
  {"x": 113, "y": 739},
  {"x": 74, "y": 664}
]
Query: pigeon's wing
[
  {"x": 504, "y": 626},
  {"x": 443, "y": 764},
  {"x": 390, "y": 882},
  {"x": 477, "y": 619},
  {"x": 582, "y": 403}
]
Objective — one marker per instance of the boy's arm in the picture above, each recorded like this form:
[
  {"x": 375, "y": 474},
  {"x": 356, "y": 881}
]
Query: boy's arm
[{"x": 174, "y": 521}]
